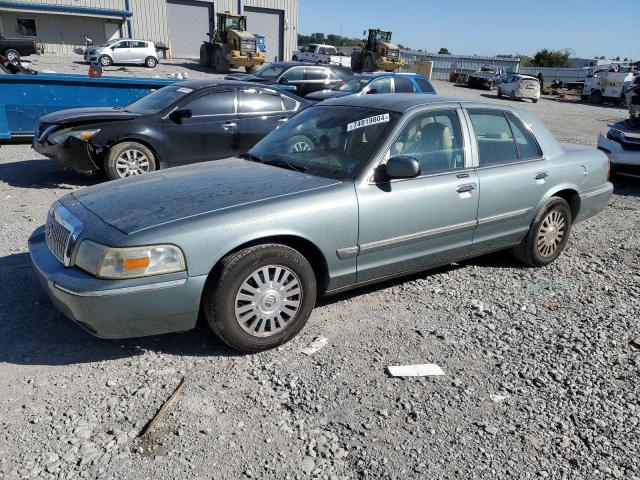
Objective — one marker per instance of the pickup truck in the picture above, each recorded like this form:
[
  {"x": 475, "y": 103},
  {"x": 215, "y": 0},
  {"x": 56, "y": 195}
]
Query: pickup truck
[
  {"x": 14, "y": 48},
  {"x": 318, "y": 53}
]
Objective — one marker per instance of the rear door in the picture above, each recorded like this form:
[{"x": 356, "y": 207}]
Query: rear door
[
  {"x": 512, "y": 175},
  {"x": 210, "y": 134},
  {"x": 315, "y": 79},
  {"x": 294, "y": 77},
  {"x": 259, "y": 112},
  {"x": 403, "y": 85},
  {"x": 138, "y": 51}
]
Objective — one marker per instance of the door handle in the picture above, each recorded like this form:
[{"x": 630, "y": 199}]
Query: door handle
[
  {"x": 463, "y": 175},
  {"x": 541, "y": 175},
  {"x": 466, "y": 188},
  {"x": 229, "y": 125}
]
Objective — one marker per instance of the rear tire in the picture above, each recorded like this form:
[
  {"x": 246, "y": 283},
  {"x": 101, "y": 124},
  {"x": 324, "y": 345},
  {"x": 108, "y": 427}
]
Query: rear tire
[
  {"x": 499, "y": 92},
  {"x": 205, "y": 55},
  {"x": 12, "y": 55},
  {"x": 356, "y": 61},
  {"x": 295, "y": 58},
  {"x": 128, "y": 159},
  {"x": 596, "y": 97},
  {"x": 369, "y": 64},
  {"x": 250, "y": 69},
  {"x": 261, "y": 297},
  {"x": 151, "y": 62},
  {"x": 548, "y": 234},
  {"x": 105, "y": 61},
  {"x": 512, "y": 96},
  {"x": 221, "y": 64},
  {"x": 534, "y": 100}
]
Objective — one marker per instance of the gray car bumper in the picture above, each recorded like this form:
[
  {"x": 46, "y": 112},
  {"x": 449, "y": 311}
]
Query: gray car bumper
[{"x": 117, "y": 309}]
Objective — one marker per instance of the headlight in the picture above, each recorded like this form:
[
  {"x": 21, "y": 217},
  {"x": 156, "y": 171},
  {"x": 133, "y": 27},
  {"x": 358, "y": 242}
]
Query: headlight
[
  {"x": 134, "y": 262},
  {"x": 62, "y": 135},
  {"x": 615, "y": 135}
]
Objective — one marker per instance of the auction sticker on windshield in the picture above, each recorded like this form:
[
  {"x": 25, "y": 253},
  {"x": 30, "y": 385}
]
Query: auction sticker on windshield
[{"x": 365, "y": 122}]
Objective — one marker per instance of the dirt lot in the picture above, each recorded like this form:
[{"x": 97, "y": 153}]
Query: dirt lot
[{"x": 541, "y": 375}]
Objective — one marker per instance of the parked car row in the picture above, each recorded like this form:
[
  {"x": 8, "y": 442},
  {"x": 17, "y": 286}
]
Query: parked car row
[{"x": 125, "y": 51}]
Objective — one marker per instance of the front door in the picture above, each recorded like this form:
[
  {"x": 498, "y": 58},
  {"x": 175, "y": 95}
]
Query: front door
[
  {"x": 122, "y": 52},
  {"x": 409, "y": 225},
  {"x": 259, "y": 112},
  {"x": 294, "y": 78},
  {"x": 512, "y": 175},
  {"x": 210, "y": 134}
]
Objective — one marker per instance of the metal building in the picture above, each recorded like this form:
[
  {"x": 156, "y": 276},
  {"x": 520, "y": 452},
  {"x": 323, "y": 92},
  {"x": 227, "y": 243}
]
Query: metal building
[{"x": 61, "y": 25}]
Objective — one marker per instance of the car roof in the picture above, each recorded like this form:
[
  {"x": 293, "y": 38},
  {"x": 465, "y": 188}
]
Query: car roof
[
  {"x": 393, "y": 102},
  {"x": 200, "y": 84},
  {"x": 387, "y": 74},
  {"x": 305, "y": 64}
]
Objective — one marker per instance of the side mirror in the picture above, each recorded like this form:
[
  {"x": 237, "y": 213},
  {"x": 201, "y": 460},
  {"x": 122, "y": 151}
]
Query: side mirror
[
  {"x": 401, "y": 166},
  {"x": 179, "y": 114},
  {"x": 372, "y": 91},
  {"x": 284, "y": 81}
]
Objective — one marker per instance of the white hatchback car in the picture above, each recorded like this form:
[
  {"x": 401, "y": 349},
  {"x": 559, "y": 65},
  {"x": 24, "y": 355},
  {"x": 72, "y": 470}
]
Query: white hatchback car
[
  {"x": 126, "y": 51},
  {"x": 516, "y": 87}
]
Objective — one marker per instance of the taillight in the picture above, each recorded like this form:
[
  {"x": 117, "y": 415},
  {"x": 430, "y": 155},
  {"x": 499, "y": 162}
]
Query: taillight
[
  {"x": 34, "y": 45},
  {"x": 608, "y": 169}
]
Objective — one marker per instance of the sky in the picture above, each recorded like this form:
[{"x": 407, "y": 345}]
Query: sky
[{"x": 588, "y": 27}]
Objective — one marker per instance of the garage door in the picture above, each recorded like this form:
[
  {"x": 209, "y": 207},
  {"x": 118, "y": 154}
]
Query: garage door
[
  {"x": 188, "y": 26},
  {"x": 269, "y": 24}
]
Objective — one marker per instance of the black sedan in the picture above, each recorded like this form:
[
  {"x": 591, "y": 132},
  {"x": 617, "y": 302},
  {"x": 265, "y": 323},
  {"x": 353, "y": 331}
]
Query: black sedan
[
  {"x": 298, "y": 77},
  {"x": 187, "y": 122}
]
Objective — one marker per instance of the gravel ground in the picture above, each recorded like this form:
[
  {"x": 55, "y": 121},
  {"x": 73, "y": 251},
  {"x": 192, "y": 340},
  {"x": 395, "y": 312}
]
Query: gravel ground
[{"x": 541, "y": 376}]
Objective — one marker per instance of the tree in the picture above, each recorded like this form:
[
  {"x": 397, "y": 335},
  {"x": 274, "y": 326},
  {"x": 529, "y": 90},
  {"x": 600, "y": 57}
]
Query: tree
[
  {"x": 617, "y": 59},
  {"x": 444, "y": 51},
  {"x": 552, "y": 58}
]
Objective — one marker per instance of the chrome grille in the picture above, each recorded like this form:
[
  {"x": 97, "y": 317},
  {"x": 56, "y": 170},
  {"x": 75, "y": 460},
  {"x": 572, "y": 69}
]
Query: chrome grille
[
  {"x": 61, "y": 233},
  {"x": 57, "y": 237}
]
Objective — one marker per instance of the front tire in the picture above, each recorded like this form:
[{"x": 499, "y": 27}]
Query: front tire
[
  {"x": 369, "y": 64},
  {"x": 151, "y": 62},
  {"x": 12, "y": 55},
  {"x": 129, "y": 159},
  {"x": 295, "y": 58},
  {"x": 220, "y": 62},
  {"x": 548, "y": 234},
  {"x": 512, "y": 96},
  {"x": 105, "y": 61},
  {"x": 250, "y": 69},
  {"x": 261, "y": 298},
  {"x": 499, "y": 92}
]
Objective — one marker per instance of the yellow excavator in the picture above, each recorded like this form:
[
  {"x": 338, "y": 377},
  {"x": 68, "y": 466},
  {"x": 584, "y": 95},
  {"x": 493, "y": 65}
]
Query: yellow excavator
[
  {"x": 231, "y": 46},
  {"x": 377, "y": 54}
]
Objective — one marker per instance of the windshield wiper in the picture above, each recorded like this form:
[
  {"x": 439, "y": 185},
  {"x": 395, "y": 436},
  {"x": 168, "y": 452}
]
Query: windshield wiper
[{"x": 276, "y": 162}]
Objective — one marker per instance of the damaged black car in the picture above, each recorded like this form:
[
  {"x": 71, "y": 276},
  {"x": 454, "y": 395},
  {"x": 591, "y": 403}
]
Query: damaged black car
[{"x": 187, "y": 122}]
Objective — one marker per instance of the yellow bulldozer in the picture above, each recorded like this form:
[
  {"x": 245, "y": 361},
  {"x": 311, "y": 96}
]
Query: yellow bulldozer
[
  {"x": 231, "y": 46},
  {"x": 377, "y": 54}
]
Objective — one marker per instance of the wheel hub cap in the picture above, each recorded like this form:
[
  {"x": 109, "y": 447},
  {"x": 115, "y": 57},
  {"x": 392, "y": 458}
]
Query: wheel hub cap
[
  {"x": 268, "y": 300},
  {"x": 552, "y": 232},
  {"x": 132, "y": 162}
]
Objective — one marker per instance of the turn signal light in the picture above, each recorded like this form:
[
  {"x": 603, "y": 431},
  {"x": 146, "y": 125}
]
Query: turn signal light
[{"x": 135, "y": 263}]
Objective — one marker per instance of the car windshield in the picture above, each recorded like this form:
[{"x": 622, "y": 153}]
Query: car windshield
[
  {"x": 270, "y": 72},
  {"x": 109, "y": 43},
  {"x": 158, "y": 100},
  {"x": 327, "y": 141},
  {"x": 352, "y": 85}
]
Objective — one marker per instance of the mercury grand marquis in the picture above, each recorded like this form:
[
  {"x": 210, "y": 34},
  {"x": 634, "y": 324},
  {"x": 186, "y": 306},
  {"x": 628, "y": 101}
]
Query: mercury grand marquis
[{"x": 348, "y": 192}]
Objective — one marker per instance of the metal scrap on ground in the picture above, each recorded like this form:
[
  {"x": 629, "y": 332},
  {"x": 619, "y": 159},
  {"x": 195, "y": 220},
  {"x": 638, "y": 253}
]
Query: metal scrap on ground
[
  {"x": 425, "y": 370},
  {"x": 150, "y": 427},
  {"x": 316, "y": 345}
]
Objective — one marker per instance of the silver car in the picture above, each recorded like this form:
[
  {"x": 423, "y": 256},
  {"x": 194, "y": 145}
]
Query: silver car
[
  {"x": 125, "y": 51},
  {"x": 349, "y": 192}
]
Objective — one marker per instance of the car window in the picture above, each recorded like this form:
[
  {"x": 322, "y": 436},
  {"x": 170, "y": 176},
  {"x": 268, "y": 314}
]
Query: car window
[
  {"x": 255, "y": 101},
  {"x": 290, "y": 105},
  {"x": 215, "y": 103},
  {"x": 270, "y": 71},
  {"x": 404, "y": 85},
  {"x": 434, "y": 139},
  {"x": 525, "y": 141},
  {"x": 381, "y": 85},
  {"x": 121, "y": 45},
  {"x": 138, "y": 44},
  {"x": 493, "y": 134},
  {"x": 294, "y": 74},
  {"x": 425, "y": 85},
  {"x": 314, "y": 73}
]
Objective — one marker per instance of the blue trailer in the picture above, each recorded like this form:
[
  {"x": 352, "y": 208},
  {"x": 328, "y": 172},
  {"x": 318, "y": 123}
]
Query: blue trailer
[{"x": 25, "y": 98}]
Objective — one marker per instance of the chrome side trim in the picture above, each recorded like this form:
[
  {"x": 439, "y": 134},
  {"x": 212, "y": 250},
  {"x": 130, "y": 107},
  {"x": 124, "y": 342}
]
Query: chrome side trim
[
  {"x": 600, "y": 191},
  {"x": 122, "y": 291},
  {"x": 504, "y": 216},
  {"x": 348, "y": 252},
  {"x": 415, "y": 237}
]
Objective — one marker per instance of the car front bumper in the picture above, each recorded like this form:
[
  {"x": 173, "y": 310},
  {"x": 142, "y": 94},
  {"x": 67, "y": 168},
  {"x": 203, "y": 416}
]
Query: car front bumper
[
  {"x": 73, "y": 154},
  {"x": 618, "y": 156},
  {"x": 117, "y": 308}
]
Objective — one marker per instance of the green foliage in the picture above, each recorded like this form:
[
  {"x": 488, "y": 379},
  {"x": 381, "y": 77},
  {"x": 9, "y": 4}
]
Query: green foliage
[
  {"x": 552, "y": 58},
  {"x": 444, "y": 51},
  {"x": 331, "y": 39}
]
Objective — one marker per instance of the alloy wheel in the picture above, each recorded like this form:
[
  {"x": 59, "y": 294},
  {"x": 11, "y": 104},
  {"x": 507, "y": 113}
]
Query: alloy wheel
[
  {"x": 132, "y": 162},
  {"x": 267, "y": 301},
  {"x": 300, "y": 147},
  {"x": 552, "y": 232}
]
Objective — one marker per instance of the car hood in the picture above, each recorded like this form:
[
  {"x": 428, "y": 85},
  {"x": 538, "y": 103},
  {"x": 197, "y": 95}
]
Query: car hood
[
  {"x": 90, "y": 114},
  {"x": 139, "y": 203},
  {"x": 324, "y": 94}
]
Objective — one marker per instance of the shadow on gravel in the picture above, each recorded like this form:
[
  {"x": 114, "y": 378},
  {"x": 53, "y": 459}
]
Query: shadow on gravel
[
  {"x": 42, "y": 174},
  {"x": 626, "y": 186},
  {"x": 33, "y": 332}
]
